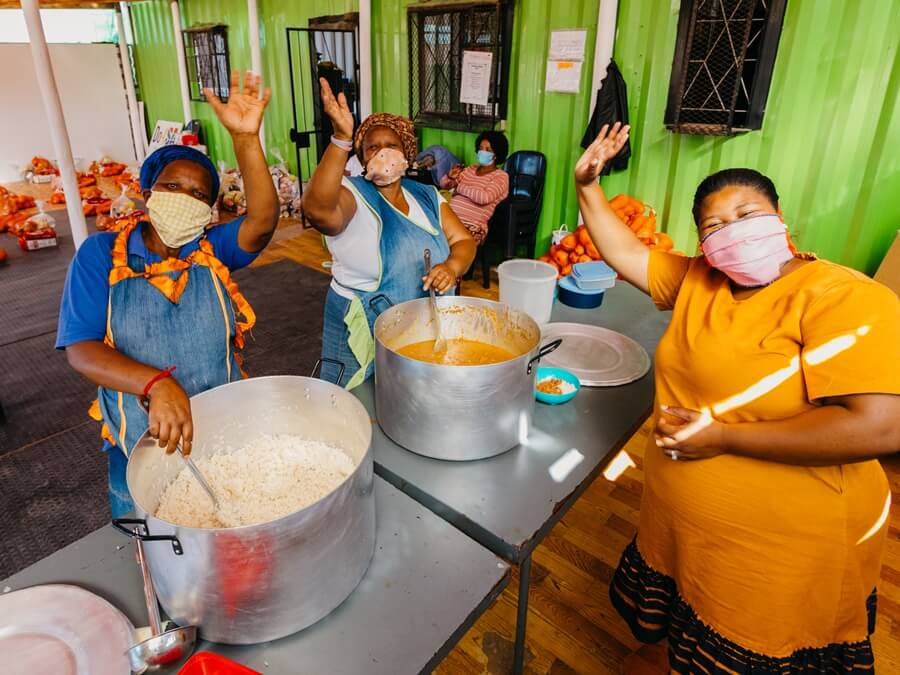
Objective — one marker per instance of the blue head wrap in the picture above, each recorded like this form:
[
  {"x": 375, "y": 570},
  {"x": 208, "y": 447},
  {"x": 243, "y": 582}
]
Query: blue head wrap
[{"x": 160, "y": 159}]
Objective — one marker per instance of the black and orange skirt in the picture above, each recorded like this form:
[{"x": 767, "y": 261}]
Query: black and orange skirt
[{"x": 651, "y": 605}]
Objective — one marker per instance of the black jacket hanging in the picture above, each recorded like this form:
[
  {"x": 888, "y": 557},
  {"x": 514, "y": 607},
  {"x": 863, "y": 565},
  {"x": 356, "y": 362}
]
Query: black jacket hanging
[{"x": 612, "y": 107}]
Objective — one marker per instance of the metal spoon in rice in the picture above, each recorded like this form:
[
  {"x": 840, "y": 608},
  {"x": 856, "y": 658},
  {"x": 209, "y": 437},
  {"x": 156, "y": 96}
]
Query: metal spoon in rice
[{"x": 225, "y": 515}]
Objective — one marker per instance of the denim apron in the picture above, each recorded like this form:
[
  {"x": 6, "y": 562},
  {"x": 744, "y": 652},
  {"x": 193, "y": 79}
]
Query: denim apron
[
  {"x": 177, "y": 312},
  {"x": 349, "y": 324}
]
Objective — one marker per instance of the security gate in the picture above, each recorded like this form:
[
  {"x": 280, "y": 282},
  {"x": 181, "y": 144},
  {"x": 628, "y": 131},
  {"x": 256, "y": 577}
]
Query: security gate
[{"x": 315, "y": 53}]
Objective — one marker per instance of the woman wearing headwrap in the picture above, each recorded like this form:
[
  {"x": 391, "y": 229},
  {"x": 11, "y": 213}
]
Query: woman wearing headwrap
[
  {"x": 152, "y": 313},
  {"x": 377, "y": 227}
]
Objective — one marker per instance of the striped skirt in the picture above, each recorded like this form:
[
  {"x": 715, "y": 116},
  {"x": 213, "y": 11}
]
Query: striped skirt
[{"x": 650, "y": 604}]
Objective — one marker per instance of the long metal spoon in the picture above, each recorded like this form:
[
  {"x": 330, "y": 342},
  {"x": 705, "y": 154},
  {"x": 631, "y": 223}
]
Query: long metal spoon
[
  {"x": 145, "y": 404},
  {"x": 439, "y": 343}
]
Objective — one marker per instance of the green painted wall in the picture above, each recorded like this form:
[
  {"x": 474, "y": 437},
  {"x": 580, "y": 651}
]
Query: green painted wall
[
  {"x": 830, "y": 140},
  {"x": 158, "y": 69},
  {"x": 549, "y": 122}
]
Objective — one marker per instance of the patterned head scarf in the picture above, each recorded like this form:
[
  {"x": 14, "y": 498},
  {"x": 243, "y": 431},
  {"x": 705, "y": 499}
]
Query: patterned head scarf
[
  {"x": 402, "y": 126},
  {"x": 160, "y": 159}
]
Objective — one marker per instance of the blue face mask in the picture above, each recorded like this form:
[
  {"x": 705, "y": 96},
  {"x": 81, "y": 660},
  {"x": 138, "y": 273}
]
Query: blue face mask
[{"x": 485, "y": 157}]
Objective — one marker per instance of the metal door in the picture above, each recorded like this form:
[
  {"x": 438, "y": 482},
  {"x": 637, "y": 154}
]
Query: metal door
[{"x": 315, "y": 53}]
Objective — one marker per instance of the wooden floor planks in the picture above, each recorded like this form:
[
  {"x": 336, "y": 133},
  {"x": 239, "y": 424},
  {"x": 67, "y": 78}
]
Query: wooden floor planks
[{"x": 572, "y": 626}]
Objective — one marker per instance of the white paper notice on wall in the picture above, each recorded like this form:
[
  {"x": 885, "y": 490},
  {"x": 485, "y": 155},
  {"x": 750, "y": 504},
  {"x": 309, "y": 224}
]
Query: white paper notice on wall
[
  {"x": 475, "y": 88},
  {"x": 567, "y": 45},
  {"x": 563, "y": 77},
  {"x": 165, "y": 133}
]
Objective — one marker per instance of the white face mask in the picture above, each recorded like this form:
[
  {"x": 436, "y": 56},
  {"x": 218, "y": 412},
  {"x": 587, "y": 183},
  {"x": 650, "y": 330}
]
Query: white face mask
[
  {"x": 177, "y": 218},
  {"x": 750, "y": 251},
  {"x": 386, "y": 166}
]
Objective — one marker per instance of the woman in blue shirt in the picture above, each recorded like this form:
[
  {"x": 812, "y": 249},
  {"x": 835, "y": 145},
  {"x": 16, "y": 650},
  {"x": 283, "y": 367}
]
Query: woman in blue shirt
[{"x": 151, "y": 313}]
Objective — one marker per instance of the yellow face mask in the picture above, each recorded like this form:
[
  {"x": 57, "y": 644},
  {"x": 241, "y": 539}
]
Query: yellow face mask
[{"x": 177, "y": 218}]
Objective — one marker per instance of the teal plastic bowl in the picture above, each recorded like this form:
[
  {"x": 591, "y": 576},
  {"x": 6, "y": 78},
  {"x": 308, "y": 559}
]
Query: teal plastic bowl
[{"x": 555, "y": 399}]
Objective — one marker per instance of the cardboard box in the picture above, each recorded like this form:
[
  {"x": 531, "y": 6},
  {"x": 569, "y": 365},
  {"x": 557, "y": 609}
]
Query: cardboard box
[{"x": 889, "y": 271}]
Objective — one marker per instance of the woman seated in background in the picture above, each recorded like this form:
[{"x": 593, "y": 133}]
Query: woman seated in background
[
  {"x": 479, "y": 188},
  {"x": 150, "y": 315},
  {"x": 765, "y": 510},
  {"x": 377, "y": 227},
  {"x": 438, "y": 161}
]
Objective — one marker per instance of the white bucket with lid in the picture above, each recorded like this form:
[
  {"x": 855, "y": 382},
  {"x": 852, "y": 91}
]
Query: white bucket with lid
[{"x": 529, "y": 286}]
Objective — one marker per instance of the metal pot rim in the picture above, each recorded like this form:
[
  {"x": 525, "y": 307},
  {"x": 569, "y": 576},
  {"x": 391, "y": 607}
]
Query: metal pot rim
[
  {"x": 469, "y": 301},
  {"x": 268, "y": 523}
]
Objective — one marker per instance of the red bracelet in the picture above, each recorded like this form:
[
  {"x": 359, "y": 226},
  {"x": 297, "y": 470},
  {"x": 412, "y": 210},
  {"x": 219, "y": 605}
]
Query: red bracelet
[{"x": 156, "y": 378}]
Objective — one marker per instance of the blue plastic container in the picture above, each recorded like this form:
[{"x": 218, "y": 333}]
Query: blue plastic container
[
  {"x": 571, "y": 295},
  {"x": 555, "y": 399},
  {"x": 593, "y": 276}
]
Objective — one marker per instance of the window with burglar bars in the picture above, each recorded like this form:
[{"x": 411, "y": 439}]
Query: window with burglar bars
[
  {"x": 438, "y": 37},
  {"x": 724, "y": 57},
  {"x": 206, "y": 54}
]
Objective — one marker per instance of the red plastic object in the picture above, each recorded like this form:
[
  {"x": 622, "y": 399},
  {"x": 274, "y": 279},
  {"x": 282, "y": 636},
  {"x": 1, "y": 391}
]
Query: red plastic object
[{"x": 207, "y": 663}]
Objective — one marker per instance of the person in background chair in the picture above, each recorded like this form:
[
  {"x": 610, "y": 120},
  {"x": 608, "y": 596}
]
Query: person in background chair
[{"x": 479, "y": 188}]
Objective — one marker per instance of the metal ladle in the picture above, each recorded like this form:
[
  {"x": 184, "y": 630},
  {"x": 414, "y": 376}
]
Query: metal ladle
[
  {"x": 439, "y": 343},
  {"x": 162, "y": 648}
]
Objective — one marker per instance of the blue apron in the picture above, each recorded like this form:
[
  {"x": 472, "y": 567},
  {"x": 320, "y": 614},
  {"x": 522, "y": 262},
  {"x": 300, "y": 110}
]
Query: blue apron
[
  {"x": 195, "y": 334},
  {"x": 349, "y": 324}
]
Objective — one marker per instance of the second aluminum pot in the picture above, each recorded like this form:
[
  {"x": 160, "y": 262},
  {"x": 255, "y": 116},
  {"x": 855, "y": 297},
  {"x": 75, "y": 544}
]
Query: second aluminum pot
[
  {"x": 250, "y": 584},
  {"x": 456, "y": 412}
]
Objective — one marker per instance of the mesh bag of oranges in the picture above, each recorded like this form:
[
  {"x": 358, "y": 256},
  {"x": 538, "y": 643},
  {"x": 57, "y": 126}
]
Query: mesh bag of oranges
[{"x": 578, "y": 247}]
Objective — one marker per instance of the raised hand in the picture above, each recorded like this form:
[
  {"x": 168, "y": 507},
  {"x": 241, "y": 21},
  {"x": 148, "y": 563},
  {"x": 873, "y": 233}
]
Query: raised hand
[
  {"x": 338, "y": 112},
  {"x": 243, "y": 113},
  {"x": 606, "y": 146}
]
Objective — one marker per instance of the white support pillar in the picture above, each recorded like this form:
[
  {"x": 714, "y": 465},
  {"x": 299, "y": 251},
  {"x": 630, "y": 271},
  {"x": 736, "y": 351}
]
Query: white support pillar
[
  {"x": 55, "y": 119},
  {"x": 603, "y": 46},
  {"x": 137, "y": 133},
  {"x": 365, "y": 58},
  {"x": 255, "y": 53},
  {"x": 182, "y": 64},
  {"x": 603, "y": 52},
  {"x": 129, "y": 31}
]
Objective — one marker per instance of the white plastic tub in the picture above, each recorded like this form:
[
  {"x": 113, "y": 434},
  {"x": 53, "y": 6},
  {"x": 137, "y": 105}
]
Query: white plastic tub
[{"x": 529, "y": 286}]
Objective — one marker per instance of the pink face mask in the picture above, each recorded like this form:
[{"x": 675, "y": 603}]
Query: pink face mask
[
  {"x": 750, "y": 251},
  {"x": 386, "y": 166}
]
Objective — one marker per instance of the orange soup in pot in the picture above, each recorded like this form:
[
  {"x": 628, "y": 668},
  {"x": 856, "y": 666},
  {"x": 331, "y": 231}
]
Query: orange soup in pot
[{"x": 458, "y": 353}]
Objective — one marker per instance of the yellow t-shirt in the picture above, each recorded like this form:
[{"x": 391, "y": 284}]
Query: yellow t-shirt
[{"x": 764, "y": 551}]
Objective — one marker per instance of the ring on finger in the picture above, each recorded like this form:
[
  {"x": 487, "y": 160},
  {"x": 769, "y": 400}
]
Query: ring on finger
[{"x": 674, "y": 455}]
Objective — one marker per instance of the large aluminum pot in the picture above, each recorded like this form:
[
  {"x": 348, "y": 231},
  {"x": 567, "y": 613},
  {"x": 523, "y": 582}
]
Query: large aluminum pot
[
  {"x": 261, "y": 582},
  {"x": 456, "y": 412}
]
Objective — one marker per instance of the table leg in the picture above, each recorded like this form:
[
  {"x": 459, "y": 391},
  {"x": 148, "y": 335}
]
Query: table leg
[{"x": 522, "y": 616}]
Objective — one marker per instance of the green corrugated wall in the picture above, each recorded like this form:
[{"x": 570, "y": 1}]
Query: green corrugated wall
[
  {"x": 830, "y": 140},
  {"x": 549, "y": 122},
  {"x": 158, "y": 69}
]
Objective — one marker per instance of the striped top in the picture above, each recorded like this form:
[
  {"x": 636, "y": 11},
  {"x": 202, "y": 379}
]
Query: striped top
[{"x": 476, "y": 197}]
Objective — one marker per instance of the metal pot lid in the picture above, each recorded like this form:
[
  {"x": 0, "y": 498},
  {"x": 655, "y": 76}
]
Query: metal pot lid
[
  {"x": 65, "y": 630},
  {"x": 599, "y": 357}
]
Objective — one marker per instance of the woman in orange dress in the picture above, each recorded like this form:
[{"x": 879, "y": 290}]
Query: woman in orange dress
[{"x": 777, "y": 388}]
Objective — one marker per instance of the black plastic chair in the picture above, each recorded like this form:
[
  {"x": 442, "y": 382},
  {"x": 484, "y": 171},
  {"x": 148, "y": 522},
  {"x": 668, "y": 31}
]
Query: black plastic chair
[{"x": 515, "y": 220}]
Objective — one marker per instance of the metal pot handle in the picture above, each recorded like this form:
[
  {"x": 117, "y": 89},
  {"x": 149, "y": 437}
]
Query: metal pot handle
[
  {"x": 121, "y": 524},
  {"x": 318, "y": 367},
  {"x": 546, "y": 349},
  {"x": 375, "y": 298}
]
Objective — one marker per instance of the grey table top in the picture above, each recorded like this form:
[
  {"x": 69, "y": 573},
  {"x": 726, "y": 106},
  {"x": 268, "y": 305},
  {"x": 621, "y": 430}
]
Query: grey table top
[
  {"x": 509, "y": 502},
  {"x": 426, "y": 585}
]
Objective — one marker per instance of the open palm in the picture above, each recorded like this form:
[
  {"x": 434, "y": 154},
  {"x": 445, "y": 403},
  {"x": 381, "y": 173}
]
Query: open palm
[
  {"x": 338, "y": 111},
  {"x": 243, "y": 113},
  {"x": 606, "y": 146}
]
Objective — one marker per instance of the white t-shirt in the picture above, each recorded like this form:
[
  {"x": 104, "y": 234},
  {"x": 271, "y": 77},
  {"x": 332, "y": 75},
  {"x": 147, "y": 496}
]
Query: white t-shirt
[
  {"x": 354, "y": 252},
  {"x": 354, "y": 166}
]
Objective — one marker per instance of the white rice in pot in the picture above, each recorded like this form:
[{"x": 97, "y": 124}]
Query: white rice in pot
[{"x": 265, "y": 480}]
